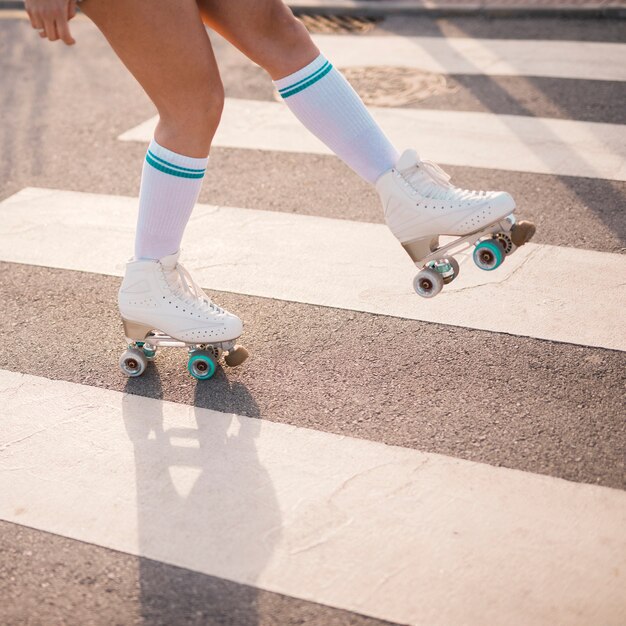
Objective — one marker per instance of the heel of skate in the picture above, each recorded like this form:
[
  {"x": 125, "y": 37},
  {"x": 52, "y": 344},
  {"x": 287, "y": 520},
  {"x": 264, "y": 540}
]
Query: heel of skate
[
  {"x": 135, "y": 331},
  {"x": 420, "y": 248}
]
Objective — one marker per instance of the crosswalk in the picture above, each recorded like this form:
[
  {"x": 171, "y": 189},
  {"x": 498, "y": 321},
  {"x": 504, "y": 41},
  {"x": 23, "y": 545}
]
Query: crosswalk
[
  {"x": 293, "y": 510},
  {"x": 537, "y": 293},
  {"x": 507, "y": 142},
  {"x": 313, "y": 507},
  {"x": 488, "y": 57}
]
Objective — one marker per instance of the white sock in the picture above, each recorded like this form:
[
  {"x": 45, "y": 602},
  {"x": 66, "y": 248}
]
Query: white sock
[
  {"x": 325, "y": 102},
  {"x": 170, "y": 184}
]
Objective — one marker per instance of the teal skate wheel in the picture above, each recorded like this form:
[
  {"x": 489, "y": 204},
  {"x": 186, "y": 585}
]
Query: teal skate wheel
[
  {"x": 488, "y": 255},
  {"x": 202, "y": 365}
]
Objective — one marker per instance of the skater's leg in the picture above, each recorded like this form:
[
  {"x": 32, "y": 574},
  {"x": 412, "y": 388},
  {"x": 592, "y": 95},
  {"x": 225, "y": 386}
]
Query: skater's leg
[
  {"x": 418, "y": 199},
  {"x": 317, "y": 93},
  {"x": 165, "y": 46},
  {"x": 266, "y": 31}
]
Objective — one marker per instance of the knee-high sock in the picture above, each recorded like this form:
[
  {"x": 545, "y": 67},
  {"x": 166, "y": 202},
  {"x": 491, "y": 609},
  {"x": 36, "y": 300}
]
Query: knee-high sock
[
  {"x": 324, "y": 101},
  {"x": 170, "y": 184}
]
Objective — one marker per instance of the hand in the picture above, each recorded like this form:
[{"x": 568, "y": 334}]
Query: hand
[{"x": 51, "y": 17}]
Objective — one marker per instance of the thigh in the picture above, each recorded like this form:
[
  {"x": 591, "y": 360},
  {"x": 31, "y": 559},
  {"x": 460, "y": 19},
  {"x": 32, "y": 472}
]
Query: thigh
[
  {"x": 164, "y": 44},
  {"x": 266, "y": 31}
]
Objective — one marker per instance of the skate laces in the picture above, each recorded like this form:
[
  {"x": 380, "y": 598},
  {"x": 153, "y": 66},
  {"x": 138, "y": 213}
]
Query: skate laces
[
  {"x": 431, "y": 181},
  {"x": 183, "y": 285}
]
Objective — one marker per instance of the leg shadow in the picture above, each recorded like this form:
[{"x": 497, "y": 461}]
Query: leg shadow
[{"x": 207, "y": 512}]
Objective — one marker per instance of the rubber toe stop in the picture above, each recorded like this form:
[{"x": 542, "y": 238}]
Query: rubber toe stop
[
  {"x": 236, "y": 356},
  {"x": 522, "y": 232}
]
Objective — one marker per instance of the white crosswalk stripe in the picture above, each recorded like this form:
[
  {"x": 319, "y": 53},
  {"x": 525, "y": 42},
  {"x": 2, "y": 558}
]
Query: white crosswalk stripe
[
  {"x": 393, "y": 533},
  {"x": 506, "y": 142},
  {"x": 536, "y": 293},
  {"x": 491, "y": 57},
  {"x": 289, "y": 509}
]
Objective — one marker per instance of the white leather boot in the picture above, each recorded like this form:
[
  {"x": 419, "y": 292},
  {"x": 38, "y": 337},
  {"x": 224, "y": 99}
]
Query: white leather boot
[
  {"x": 162, "y": 296},
  {"x": 420, "y": 204}
]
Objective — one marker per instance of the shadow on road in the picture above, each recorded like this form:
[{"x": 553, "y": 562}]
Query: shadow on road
[{"x": 205, "y": 503}]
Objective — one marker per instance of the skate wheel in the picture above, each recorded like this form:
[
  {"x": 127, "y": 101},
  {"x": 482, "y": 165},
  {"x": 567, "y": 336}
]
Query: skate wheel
[
  {"x": 201, "y": 365},
  {"x": 133, "y": 362},
  {"x": 488, "y": 254},
  {"x": 236, "y": 356},
  {"x": 428, "y": 283},
  {"x": 522, "y": 232}
]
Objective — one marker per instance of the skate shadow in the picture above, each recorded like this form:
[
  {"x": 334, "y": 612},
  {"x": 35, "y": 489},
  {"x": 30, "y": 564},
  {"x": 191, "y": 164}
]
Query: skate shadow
[
  {"x": 207, "y": 512},
  {"x": 223, "y": 394}
]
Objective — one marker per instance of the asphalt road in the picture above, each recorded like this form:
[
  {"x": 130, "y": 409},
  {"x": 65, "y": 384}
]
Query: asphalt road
[{"x": 517, "y": 402}]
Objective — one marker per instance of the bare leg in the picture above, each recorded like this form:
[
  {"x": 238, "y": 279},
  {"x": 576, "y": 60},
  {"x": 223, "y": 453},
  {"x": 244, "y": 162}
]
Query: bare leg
[
  {"x": 266, "y": 31},
  {"x": 317, "y": 93},
  {"x": 165, "y": 46}
]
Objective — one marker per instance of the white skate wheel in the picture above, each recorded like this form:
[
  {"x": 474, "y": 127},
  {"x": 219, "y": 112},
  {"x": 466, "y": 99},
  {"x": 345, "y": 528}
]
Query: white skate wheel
[
  {"x": 133, "y": 362},
  {"x": 236, "y": 356},
  {"x": 428, "y": 283}
]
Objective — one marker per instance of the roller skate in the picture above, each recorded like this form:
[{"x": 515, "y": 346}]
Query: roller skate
[
  {"x": 420, "y": 204},
  {"x": 161, "y": 306}
]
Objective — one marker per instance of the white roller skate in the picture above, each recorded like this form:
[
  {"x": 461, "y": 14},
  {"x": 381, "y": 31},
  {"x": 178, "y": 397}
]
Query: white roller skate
[
  {"x": 420, "y": 204},
  {"x": 161, "y": 305}
]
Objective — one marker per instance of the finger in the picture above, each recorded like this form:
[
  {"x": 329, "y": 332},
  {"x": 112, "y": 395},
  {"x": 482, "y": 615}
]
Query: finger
[
  {"x": 63, "y": 30},
  {"x": 35, "y": 20},
  {"x": 71, "y": 10},
  {"x": 51, "y": 31}
]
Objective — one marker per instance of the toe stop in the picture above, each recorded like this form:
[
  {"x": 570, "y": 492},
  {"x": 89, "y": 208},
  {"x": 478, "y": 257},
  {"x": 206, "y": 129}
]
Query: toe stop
[
  {"x": 236, "y": 356},
  {"x": 522, "y": 232}
]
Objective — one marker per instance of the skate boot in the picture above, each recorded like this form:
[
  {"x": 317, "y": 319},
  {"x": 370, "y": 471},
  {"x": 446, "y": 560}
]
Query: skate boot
[
  {"x": 161, "y": 305},
  {"x": 420, "y": 204}
]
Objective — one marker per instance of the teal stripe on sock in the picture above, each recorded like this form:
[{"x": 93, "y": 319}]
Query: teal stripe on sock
[
  {"x": 311, "y": 81},
  {"x": 306, "y": 79},
  {"x": 168, "y": 170},
  {"x": 172, "y": 166}
]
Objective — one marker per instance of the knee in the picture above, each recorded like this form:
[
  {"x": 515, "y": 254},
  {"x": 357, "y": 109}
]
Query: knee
[
  {"x": 288, "y": 31},
  {"x": 206, "y": 107},
  {"x": 194, "y": 115},
  {"x": 284, "y": 43}
]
